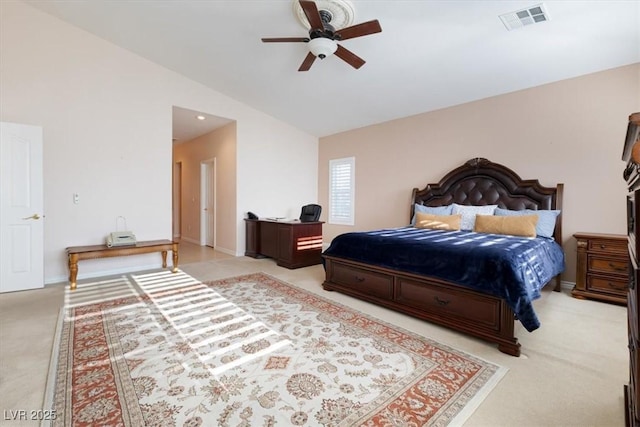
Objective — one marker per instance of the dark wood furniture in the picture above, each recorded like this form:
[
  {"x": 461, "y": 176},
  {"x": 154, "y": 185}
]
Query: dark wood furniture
[
  {"x": 293, "y": 244},
  {"x": 602, "y": 270},
  {"x": 77, "y": 253},
  {"x": 477, "y": 182},
  {"x": 631, "y": 155}
]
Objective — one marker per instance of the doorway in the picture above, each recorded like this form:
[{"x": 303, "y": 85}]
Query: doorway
[{"x": 202, "y": 143}]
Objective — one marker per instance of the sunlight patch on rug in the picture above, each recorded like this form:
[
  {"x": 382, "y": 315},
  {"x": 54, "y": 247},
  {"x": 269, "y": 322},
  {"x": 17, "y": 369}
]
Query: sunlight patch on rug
[
  {"x": 99, "y": 291},
  {"x": 167, "y": 349}
]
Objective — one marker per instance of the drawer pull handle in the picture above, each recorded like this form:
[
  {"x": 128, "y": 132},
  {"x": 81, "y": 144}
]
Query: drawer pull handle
[
  {"x": 359, "y": 279},
  {"x": 616, "y": 268},
  {"x": 603, "y": 246},
  {"x": 441, "y": 301}
]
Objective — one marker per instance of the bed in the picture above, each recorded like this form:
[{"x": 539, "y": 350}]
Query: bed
[{"x": 385, "y": 266}]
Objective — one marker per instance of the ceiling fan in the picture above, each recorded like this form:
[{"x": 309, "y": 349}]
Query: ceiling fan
[{"x": 323, "y": 37}]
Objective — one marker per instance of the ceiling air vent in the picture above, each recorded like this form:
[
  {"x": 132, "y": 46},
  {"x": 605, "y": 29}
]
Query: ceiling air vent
[{"x": 523, "y": 17}]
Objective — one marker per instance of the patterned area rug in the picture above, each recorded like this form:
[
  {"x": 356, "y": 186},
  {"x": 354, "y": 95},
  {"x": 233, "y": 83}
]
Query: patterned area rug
[{"x": 164, "y": 349}]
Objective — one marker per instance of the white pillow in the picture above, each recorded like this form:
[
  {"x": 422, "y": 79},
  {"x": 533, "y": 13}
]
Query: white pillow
[{"x": 469, "y": 214}]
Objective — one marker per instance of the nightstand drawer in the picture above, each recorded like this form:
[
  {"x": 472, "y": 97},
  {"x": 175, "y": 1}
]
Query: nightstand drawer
[
  {"x": 607, "y": 284},
  {"x": 608, "y": 246},
  {"x": 608, "y": 265}
]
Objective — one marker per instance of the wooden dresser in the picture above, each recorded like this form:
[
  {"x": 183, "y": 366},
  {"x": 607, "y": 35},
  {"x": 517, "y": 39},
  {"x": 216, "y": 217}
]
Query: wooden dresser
[
  {"x": 631, "y": 155},
  {"x": 602, "y": 270}
]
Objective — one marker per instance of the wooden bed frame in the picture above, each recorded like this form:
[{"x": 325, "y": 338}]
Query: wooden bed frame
[{"x": 477, "y": 182}]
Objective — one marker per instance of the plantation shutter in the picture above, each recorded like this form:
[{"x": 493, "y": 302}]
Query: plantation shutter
[{"x": 341, "y": 190}]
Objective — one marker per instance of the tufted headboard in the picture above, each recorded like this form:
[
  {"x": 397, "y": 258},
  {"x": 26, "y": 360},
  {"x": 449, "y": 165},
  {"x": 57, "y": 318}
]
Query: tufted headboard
[{"x": 481, "y": 182}]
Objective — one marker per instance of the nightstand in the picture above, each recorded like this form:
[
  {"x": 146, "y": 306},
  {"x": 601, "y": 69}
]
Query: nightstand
[{"x": 602, "y": 270}]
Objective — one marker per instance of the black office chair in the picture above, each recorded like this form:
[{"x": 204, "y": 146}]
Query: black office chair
[{"x": 310, "y": 213}]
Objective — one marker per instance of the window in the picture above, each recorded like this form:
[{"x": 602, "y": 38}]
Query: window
[{"x": 342, "y": 190}]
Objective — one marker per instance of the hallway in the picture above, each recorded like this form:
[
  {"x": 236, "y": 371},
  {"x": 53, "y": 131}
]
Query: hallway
[{"x": 189, "y": 253}]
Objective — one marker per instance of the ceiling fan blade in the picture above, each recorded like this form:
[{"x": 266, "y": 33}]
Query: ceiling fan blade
[
  {"x": 359, "y": 30},
  {"x": 311, "y": 12},
  {"x": 285, "y": 39},
  {"x": 308, "y": 61},
  {"x": 349, "y": 57}
]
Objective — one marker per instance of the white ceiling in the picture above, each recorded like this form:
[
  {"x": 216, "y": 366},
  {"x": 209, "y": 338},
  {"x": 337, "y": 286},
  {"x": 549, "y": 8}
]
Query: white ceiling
[
  {"x": 429, "y": 55},
  {"x": 187, "y": 125}
]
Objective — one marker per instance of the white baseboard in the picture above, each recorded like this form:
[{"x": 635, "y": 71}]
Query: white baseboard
[
  {"x": 190, "y": 240},
  {"x": 225, "y": 251},
  {"x": 103, "y": 273},
  {"x": 217, "y": 248},
  {"x": 567, "y": 285}
]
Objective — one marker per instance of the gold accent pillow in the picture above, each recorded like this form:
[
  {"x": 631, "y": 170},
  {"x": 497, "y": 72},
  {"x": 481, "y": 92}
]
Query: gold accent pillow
[
  {"x": 523, "y": 225},
  {"x": 438, "y": 222}
]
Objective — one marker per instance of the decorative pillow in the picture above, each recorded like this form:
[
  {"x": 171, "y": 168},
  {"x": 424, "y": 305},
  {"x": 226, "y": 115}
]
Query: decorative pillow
[
  {"x": 546, "y": 219},
  {"x": 435, "y": 210},
  {"x": 469, "y": 214},
  {"x": 438, "y": 222},
  {"x": 521, "y": 225}
]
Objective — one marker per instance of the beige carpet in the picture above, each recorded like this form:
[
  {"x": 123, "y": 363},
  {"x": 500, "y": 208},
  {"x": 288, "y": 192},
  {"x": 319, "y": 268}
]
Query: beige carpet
[
  {"x": 165, "y": 349},
  {"x": 570, "y": 373}
]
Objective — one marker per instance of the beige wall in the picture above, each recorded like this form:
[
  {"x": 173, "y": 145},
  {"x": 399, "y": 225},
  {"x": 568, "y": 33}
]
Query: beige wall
[
  {"x": 221, "y": 146},
  {"x": 570, "y": 132},
  {"x": 106, "y": 115}
]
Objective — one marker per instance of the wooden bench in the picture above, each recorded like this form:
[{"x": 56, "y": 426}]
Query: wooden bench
[{"x": 77, "y": 253}]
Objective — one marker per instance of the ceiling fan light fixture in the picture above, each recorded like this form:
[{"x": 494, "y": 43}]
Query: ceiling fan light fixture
[{"x": 322, "y": 47}]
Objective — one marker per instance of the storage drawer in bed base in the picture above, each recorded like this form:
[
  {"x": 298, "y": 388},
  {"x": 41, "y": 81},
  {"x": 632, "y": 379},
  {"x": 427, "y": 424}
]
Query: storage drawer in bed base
[
  {"x": 431, "y": 299},
  {"x": 461, "y": 304},
  {"x": 378, "y": 285}
]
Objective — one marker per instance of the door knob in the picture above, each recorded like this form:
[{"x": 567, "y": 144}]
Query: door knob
[{"x": 34, "y": 216}]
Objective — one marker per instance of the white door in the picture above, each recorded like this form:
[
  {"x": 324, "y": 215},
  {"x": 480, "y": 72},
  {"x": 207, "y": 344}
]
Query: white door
[
  {"x": 21, "y": 210},
  {"x": 211, "y": 203},
  {"x": 177, "y": 200},
  {"x": 208, "y": 218}
]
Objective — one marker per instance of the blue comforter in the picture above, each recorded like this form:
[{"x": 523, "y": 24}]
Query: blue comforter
[{"x": 509, "y": 267}]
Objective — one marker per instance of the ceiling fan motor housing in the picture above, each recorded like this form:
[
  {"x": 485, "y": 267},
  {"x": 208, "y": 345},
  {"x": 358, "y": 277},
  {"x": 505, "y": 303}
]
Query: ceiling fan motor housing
[
  {"x": 327, "y": 30},
  {"x": 326, "y": 18}
]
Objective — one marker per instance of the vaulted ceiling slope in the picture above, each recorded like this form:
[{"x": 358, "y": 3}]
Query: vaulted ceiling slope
[{"x": 429, "y": 55}]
